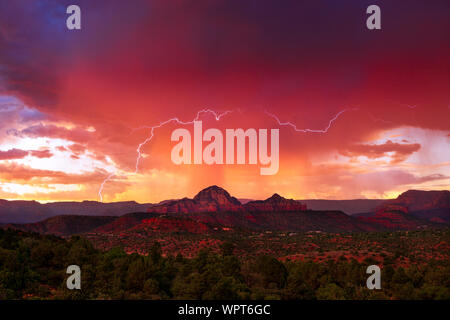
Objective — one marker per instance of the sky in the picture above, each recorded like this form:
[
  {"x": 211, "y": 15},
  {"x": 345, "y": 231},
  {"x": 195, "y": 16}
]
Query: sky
[{"x": 77, "y": 107}]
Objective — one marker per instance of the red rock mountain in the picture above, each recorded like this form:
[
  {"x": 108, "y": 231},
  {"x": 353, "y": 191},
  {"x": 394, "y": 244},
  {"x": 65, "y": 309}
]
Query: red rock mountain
[
  {"x": 216, "y": 199},
  {"x": 211, "y": 199},
  {"x": 275, "y": 203},
  {"x": 416, "y": 200},
  {"x": 412, "y": 209}
]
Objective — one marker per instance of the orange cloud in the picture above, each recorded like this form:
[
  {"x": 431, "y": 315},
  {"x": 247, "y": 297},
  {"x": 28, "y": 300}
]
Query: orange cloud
[
  {"x": 14, "y": 172},
  {"x": 41, "y": 153}
]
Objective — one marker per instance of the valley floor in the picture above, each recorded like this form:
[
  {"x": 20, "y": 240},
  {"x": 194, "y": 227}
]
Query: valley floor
[{"x": 401, "y": 248}]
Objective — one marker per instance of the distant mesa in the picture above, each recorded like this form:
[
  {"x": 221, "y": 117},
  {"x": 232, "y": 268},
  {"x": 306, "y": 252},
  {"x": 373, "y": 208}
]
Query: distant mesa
[
  {"x": 19, "y": 211},
  {"x": 64, "y": 225},
  {"x": 411, "y": 209},
  {"x": 417, "y": 200},
  {"x": 422, "y": 204}
]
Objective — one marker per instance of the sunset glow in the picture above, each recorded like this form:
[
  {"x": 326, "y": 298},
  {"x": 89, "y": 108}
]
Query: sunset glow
[{"x": 75, "y": 106}]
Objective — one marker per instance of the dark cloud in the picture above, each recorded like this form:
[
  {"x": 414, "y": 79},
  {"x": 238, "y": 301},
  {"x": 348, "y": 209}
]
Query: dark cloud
[
  {"x": 20, "y": 154},
  {"x": 374, "y": 151},
  {"x": 13, "y": 154},
  {"x": 32, "y": 115},
  {"x": 53, "y": 131},
  {"x": 272, "y": 51}
]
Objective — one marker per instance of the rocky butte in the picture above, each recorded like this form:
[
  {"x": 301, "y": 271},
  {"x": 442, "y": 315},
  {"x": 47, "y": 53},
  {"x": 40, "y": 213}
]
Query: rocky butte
[{"x": 216, "y": 199}]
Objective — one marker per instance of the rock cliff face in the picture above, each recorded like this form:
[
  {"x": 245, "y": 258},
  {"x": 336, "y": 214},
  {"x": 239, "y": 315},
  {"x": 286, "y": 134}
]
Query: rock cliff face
[{"x": 215, "y": 198}]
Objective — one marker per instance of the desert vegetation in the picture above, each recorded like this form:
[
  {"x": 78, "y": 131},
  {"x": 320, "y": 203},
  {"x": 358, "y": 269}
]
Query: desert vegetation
[{"x": 415, "y": 265}]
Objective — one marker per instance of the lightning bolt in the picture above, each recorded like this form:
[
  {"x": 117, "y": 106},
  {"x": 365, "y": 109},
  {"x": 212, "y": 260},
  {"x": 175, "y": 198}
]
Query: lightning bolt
[
  {"x": 293, "y": 126},
  {"x": 109, "y": 177},
  {"x": 216, "y": 115}
]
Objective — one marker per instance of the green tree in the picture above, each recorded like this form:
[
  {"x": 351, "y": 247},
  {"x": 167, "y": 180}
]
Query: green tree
[{"x": 272, "y": 270}]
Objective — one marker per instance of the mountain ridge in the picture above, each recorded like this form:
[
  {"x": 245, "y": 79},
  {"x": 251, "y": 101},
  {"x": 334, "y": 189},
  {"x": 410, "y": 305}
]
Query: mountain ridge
[{"x": 213, "y": 208}]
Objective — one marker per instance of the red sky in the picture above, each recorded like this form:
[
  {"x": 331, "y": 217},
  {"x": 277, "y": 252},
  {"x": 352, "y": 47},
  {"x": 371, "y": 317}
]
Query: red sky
[{"x": 75, "y": 105}]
